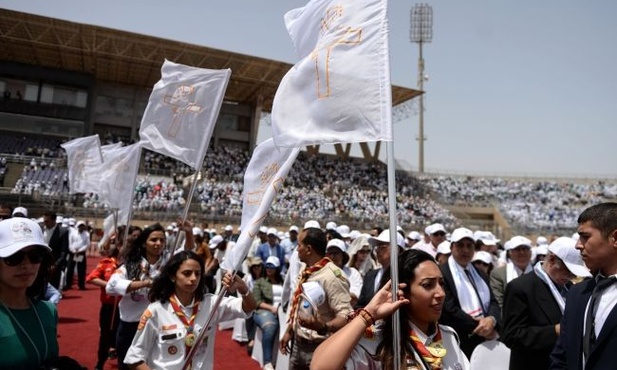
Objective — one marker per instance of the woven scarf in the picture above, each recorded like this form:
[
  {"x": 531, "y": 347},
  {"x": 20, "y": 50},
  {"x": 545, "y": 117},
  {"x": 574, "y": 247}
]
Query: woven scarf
[
  {"x": 306, "y": 274},
  {"x": 433, "y": 354}
]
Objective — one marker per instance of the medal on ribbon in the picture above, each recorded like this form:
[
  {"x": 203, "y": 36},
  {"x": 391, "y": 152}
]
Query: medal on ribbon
[{"x": 189, "y": 341}]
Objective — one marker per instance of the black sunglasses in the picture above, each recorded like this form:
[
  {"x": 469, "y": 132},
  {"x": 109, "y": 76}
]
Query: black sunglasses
[{"x": 34, "y": 256}]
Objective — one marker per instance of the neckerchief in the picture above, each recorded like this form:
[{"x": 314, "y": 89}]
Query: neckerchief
[
  {"x": 432, "y": 354},
  {"x": 306, "y": 274},
  {"x": 189, "y": 341}
]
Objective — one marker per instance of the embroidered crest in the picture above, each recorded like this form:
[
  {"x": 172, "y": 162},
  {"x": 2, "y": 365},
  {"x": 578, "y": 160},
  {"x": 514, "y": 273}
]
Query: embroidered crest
[{"x": 172, "y": 350}]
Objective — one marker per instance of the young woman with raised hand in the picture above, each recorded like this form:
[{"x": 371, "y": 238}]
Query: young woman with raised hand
[
  {"x": 143, "y": 260},
  {"x": 366, "y": 341},
  {"x": 171, "y": 324}
]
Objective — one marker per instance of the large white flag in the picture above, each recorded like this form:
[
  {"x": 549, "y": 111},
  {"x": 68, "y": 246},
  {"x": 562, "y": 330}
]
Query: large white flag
[
  {"x": 82, "y": 154},
  {"x": 263, "y": 178},
  {"x": 339, "y": 92},
  {"x": 182, "y": 111},
  {"x": 118, "y": 176}
]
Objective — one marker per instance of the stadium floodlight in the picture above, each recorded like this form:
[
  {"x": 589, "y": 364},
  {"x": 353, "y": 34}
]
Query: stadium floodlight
[{"x": 421, "y": 18}]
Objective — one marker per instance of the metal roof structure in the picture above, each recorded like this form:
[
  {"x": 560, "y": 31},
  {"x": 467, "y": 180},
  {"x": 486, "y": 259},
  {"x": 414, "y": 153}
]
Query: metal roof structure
[{"x": 132, "y": 59}]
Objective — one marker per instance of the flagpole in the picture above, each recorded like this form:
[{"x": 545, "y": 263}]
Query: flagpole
[
  {"x": 393, "y": 252},
  {"x": 187, "y": 207},
  {"x": 129, "y": 217}
]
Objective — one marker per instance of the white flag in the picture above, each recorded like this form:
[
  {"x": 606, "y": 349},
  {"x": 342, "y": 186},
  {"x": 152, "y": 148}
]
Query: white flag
[
  {"x": 339, "y": 92},
  {"x": 118, "y": 176},
  {"x": 182, "y": 111},
  {"x": 110, "y": 222},
  {"x": 263, "y": 178},
  {"x": 83, "y": 153}
]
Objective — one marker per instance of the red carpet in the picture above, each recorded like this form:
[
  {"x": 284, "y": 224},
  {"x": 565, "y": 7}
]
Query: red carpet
[{"x": 78, "y": 332}]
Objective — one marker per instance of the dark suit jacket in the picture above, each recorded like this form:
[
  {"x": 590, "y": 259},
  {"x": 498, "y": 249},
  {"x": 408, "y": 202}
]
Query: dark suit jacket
[
  {"x": 368, "y": 288},
  {"x": 530, "y": 314},
  {"x": 59, "y": 244},
  {"x": 452, "y": 314},
  {"x": 567, "y": 353}
]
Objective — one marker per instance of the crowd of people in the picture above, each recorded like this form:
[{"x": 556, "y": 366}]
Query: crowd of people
[
  {"x": 527, "y": 204},
  {"x": 321, "y": 186},
  {"x": 329, "y": 285}
]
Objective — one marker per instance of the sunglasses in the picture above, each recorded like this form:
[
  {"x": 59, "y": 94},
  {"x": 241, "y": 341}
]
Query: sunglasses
[{"x": 34, "y": 256}]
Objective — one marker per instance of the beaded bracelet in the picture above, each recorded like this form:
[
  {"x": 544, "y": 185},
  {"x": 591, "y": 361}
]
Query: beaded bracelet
[{"x": 364, "y": 314}]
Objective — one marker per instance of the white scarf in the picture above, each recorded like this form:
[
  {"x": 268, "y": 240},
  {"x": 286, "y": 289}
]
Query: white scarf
[
  {"x": 466, "y": 294},
  {"x": 547, "y": 280},
  {"x": 512, "y": 272}
]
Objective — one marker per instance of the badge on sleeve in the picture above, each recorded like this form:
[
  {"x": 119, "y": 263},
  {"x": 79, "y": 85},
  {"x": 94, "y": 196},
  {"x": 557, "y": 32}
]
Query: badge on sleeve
[{"x": 144, "y": 319}]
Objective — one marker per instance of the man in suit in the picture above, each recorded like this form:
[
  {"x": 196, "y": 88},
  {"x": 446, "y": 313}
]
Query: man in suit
[
  {"x": 588, "y": 335},
  {"x": 470, "y": 306},
  {"x": 57, "y": 238},
  {"x": 518, "y": 252},
  {"x": 372, "y": 279},
  {"x": 534, "y": 304}
]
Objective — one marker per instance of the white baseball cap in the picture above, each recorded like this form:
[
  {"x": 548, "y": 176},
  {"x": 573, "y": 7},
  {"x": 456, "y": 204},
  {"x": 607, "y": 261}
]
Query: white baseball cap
[
  {"x": 344, "y": 230},
  {"x": 229, "y": 228},
  {"x": 21, "y": 210},
  {"x": 565, "y": 249},
  {"x": 215, "y": 241},
  {"x": 541, "y": 250},
  {"x": 337, "y": 243},
  {"x": 197, "y": 231},
  {"x": 293, "y": 228},
  {"x": 460, "y": 234},
  {"x": 414, "y": 235},
  {"x": 482, "y": 256},
  {"x": 444, "y": 248},
  {"x": 518, "y": 241},
  {"x": 541, "y": 240},
  {"x": 263, "y": 229},
  {"x": 274, "y": 261},
  {"x": 432, "y": 229},
  {"x": 486, "y": 237},
  {"x": 272, "y": 231},
  {"x": 312, "y": 224},
  {"x": 331, "y": 225},
  {"x": 384, "y": 237},
  {"x": 19, "y": 233}
]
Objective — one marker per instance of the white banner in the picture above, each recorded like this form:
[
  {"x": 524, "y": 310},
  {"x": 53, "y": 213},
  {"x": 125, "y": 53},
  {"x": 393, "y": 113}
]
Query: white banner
[
  {"x": 339, "y": 92},
  {"x": 182, "y": 111},
  {"x": 118, "y": 176},
  {"x": 83, "y": 153},
  {"x": 263, "y": 178}
]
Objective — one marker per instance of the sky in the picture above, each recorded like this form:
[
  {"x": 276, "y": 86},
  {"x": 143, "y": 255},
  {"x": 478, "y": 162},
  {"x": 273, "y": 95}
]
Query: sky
[{"x": 514, "y": 87}]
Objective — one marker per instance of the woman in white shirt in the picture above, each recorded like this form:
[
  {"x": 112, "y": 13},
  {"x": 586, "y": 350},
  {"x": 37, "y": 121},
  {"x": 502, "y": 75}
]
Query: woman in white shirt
[
  {"x": 142, "y": 263},
  {"x": 171, "y": 325},
  {"x": 365, "y": 342}
]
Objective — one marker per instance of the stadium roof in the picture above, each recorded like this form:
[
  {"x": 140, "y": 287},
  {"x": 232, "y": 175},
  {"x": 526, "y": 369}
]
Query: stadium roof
[{"x": 133, "y": 59}]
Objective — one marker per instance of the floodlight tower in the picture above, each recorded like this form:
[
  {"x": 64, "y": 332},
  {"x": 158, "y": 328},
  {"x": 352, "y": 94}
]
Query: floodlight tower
[{"x": 421, "y": 32}]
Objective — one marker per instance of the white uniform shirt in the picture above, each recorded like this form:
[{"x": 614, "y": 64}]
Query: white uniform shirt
[
  {"x": 362, "y": 355},
  {"x": 159, "y": 340},
  {"x": 78, "y": 242},
  {"x": 133, "y": 304}
]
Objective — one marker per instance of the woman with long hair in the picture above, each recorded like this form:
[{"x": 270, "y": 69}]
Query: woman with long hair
[
  {"x": 143, "y": 260},
  {"x": 425, "y": 345},
  {"x": 28, "y": 324},
  {"x": 178, "y": 311},
  {"x": 99, "y": 276},
  {"x": 268, "y": 291}
]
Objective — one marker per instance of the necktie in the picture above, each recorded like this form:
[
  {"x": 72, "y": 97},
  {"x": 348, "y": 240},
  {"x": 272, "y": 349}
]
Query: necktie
[
  {"x": 589, "y": 337},
  {"x": 475, "y": 289}
]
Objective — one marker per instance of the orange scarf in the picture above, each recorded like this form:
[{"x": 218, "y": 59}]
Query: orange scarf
[
  {"x": 306, "y": 274},
  {"x": 434, "y": 353},
  {"x": 189, "y": 341}
]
